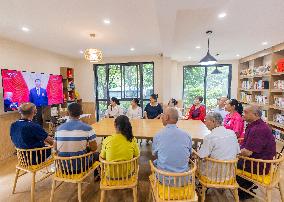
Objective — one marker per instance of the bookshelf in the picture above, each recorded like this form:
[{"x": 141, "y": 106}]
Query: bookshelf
[
  {"x": 68, "y": 86},
  {"x": 261, "y": 83}
]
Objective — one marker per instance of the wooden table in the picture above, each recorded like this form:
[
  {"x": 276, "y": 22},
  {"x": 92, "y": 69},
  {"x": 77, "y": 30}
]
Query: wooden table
[{"x": 147, "y": 128}]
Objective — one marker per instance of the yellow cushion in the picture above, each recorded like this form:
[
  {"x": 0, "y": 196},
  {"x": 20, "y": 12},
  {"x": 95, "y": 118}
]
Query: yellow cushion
[
  {"x": 76, "y": 176},
  {"x": 263, "y": 180},
  {"x": 174, "y": 193},
  {"x": 205, "y": 179},
  {"x": 105, "y": 181},
  {"x": 42, "y": 165}
]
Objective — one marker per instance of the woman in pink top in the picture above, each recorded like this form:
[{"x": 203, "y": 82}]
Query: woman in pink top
[{"x": 234, "y": 119}]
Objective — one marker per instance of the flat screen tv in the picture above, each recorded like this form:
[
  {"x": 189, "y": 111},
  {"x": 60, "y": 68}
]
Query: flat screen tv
[{"x": 38, "y": 88}]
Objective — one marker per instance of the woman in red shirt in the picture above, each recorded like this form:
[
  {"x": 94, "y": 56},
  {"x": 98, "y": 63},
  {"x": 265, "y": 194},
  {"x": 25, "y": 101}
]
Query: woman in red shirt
[{"x": 197, "y": 111}]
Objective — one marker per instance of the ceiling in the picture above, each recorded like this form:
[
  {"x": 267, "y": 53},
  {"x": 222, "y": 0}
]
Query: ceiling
[{"x": 171, "y": 27}]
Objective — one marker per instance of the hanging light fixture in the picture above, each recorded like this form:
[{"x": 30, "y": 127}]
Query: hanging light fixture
[
  {"x": 216, "y": 71},
  {"x": 92, "y": 54},
  {"x": 208, "y": 59}
]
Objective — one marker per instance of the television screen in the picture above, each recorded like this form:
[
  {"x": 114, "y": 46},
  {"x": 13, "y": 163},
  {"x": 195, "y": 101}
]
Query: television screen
[{"x": 38, "y": 88}]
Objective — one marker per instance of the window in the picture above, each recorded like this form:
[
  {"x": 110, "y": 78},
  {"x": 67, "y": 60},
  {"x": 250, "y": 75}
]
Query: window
[
  {"x": 124, "y": 81},
  {"x": 198, "y": 80}
]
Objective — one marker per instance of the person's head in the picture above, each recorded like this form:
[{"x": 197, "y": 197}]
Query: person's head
[
  {"x": 252, "y": 113},
  {"x": 172, "y": 102},
  {"x": 198, "y": 100},
  {"x": 27, "y": 110},
  {"x": 221, "y": 101},
  {"x": 75, "y": 110},
  {"x": 114, "y": 101},
  {"x": 170, "y": 116},
  {"x": 234, "y": 105},
  {"x": 123, "y": 126},
  {"x": 8, "y": 95},
  {"x": 38, "y": 83},
  {"x": 135, "y": 102},
  {"x": 213, "y": 120},
  {"x": 153, "y": 98}
]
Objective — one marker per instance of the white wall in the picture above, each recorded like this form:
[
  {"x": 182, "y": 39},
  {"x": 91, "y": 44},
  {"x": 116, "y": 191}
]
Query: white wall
[{"x": 18, "y": 56}]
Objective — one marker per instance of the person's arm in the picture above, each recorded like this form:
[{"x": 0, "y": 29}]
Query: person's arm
[
  {"x": 103, "y": 151},
  {"x": 238, "y": 126},
  {"x": 145, "y": 112},
  {"x": 92, "y": 141},
  {"x": 254, "y": 143},
  {"x": 39, "y": 133},
  {"x": 49, "y": 140},
  {"x": 160, "y": 111},
  {"x": 128, "y": 112},
  {"x": 246, "y": 152},
  {"x": 202, "y": 113},
  {"x": 145, "y": 115},
  {"x": 155, "y": 146},
  {"x": 188, "y": 114},
  {"x": 140, "y": 113},
  {"x": 107, "y": 112},
  {"x": 205, "y": 149}
]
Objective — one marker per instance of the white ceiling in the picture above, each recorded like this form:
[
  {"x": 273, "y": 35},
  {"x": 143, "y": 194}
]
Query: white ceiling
[{"x": 171, "y": 27}]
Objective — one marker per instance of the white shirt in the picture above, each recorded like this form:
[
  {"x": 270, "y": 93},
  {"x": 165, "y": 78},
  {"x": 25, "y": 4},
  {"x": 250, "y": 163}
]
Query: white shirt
[
  {"x": 220, "y": 144},
  {"x": 114, "y": 111},
  {"x": 221, "y": 111},
  {"x": 134, "y": 113}
]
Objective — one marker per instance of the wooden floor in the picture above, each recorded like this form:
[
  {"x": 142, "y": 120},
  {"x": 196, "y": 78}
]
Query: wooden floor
[{"x": 91, "y": 191}]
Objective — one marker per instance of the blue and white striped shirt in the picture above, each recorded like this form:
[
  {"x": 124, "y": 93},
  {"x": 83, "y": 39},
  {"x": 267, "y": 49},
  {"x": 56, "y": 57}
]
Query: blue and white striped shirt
[{"x": 73, "y": 137}]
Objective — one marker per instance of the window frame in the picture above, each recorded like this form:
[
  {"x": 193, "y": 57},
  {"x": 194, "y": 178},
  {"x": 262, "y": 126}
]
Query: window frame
[
  {"x": 205, "y": 78},
  {"x": 122, "y": 72}
]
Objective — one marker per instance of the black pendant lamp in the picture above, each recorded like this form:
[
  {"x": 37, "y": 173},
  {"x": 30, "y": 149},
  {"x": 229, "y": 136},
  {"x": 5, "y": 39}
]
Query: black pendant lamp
[
  {"x": 216, "y": 71},
  {"x": 208, "y": 59}
]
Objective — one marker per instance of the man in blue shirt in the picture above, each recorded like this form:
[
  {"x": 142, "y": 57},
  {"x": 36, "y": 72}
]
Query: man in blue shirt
[
  {"x": 26, "y": 134},
  {"x": 38, "y": 95},
  {"x": 172, "y": 146}
]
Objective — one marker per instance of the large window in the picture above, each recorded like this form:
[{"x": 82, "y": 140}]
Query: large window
[
  {"x": 124, "y": 81},
  {"x": 199, "y": 80}
]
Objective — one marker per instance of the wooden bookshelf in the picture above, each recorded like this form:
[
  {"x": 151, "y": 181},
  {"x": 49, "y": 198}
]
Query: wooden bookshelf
[
  {"x": 253, "y": 66},
  {"x": 68, "y": 85}
]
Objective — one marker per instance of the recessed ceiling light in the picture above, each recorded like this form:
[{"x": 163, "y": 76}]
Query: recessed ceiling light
[
  {"x": 189, "y": 57},
  {"x": 197, "y": 47},
  {"x": 264, "y": 43},
  {"x": 132, "y": 49},
  {"x": 238, "y": 55},
  {"x": 81, "y": 51},
  {"x": 25, "y": 29},
  {"x": 106, "y": 21},
  {"x": 222, "y": 15}
]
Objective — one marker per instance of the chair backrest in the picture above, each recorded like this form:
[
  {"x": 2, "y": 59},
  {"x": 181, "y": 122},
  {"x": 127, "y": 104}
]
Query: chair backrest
[
  {"x": 119, "y": 173},
  {"x": 31, "y": 157},
  {"x": 217, "y": 172},
  {"x": 170, "y": 186},
  {"x": 70, "y": 167},
  {"x": 260, "y": 169}
]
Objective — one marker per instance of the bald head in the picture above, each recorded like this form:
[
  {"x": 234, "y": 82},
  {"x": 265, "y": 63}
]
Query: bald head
[
  {"x": 170, "y": 116},
  {"x": 252, "y": 113},
  {"x": 27, "y": 110}
]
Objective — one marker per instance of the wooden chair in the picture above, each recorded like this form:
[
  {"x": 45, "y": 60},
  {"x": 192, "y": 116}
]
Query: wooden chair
[
  {"x": 167, "y": 186},
  {"x": 32, "y": 161},
  {"x": 119, "y": 175},
  {"x": 73, "y": 169},
  {"x": 213, "y": 173},
  {"x": 267, "y": 181}
]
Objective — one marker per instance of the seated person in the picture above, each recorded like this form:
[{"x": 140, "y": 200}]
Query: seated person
[
  {"x": 134, "y": 111},
  {"x": 9, "y": 105},
  {"x": 75, "y": 138},
  {"x": 113, "y": 110},
  {"x": 220, "y": 144},
  {"x": 173, "y": 103},
  {"x": 153, "y": 110},
  {"x": 259, "y": 143},
  {"x": 221, "y": 102},
  {"x": 28, "y": 135},
  {"x": 234, "y": 120},
  {"x": 121, "y": 146},
  {"x": 197, "y": 110},
  {"x": 172, "y": 146}
]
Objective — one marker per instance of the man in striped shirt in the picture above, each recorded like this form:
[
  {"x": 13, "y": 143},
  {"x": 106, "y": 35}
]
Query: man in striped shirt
[{"x": 75, "y": 138}]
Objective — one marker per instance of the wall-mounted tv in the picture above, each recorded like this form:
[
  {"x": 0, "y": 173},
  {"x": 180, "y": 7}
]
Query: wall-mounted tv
[{"x": 38, "y": 88}]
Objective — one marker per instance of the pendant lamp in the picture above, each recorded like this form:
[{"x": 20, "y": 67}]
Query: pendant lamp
[{"x": 208, "y": 59}]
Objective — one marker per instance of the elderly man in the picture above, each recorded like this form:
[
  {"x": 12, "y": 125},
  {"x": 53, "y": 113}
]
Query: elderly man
[
  {"x": 171, "y": 145},
  {"x": 221, "y": 102},
  {"x": 221, "y": 143},
  {"x": 26, "y": 134},
  {"x": 259, "y": 143}
]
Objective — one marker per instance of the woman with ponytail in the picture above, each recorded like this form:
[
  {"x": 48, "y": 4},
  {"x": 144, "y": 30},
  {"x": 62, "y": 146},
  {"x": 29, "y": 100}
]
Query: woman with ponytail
[
  {"x": 234, "y": 120},
  {"x": 134, "y": 111},
  {"x": 121, "y": 146},
  {"x": 113, "y": 110}
]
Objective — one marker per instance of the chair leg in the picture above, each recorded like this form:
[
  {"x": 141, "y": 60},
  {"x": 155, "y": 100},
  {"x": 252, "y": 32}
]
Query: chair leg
[
  {"x": 16, "y": 179},
  {"x": 33, "y": 187},
  {"x": 236, "y": 195},
  {"x": 52, "y": 190},
  {"x": 203, "y": 191},
  {"x": 80, "y": 192},
  {"x": 268, "y": 195},
  {"x": 135, "y": 194},
  {"x": 281, "y": 190},
  {"x": 103, "y": 193},
  {"x": 150, "y": 195}
]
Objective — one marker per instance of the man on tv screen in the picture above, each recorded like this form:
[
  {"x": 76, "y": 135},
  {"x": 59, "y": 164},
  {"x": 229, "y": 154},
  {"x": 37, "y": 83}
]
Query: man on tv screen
[
  {"x": 38, "y": 95},
  {"x": 9, "y": 105}
]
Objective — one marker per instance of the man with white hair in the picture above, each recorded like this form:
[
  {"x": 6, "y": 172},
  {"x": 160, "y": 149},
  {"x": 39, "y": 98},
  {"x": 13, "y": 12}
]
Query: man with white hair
[
  {"x": 259, "y": 143},
  {"x": 221, "y": 102},
  {"x": 172, "y": 146}
]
